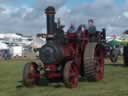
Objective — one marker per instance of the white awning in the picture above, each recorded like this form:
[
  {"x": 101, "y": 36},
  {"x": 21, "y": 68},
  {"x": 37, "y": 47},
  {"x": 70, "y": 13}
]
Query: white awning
[{"x": 3, "y": 46}]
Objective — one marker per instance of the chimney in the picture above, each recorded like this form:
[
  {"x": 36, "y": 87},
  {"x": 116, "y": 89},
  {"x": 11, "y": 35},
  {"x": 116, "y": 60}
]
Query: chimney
[{"x": 50, "y": 13}]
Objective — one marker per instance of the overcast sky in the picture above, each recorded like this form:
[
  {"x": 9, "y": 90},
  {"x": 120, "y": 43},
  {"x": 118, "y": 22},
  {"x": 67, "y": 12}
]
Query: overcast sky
[{"x": 27, "y": 16}]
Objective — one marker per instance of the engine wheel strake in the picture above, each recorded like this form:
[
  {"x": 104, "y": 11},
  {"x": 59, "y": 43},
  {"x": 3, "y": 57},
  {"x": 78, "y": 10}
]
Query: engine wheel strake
[{"x": 94, "y": 62}]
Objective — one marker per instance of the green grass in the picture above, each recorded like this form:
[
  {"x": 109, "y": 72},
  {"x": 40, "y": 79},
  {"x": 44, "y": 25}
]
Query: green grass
[{"x": 115, "y": 83}]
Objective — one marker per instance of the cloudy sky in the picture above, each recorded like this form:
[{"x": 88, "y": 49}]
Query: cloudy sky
[{"x": 27, "y": 16}]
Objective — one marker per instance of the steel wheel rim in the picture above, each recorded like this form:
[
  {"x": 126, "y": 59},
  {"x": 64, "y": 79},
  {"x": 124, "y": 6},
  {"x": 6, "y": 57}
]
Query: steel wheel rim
[
  {"x": 99, "y": 62},
  {"x": 70, "y": 75},
  {"x": 74, "y": 79}
]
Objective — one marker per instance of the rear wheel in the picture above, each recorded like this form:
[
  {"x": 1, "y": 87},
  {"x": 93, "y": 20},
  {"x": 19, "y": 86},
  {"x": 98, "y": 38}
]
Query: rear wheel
[
  {"x": 29, "y": 72},
  {"x": 99, "y": 58},
  {"x": 94, "y": 62},
  {"x": 71, "y": 75}
]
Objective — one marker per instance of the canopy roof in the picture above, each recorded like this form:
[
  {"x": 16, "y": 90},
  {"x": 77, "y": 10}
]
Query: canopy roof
[{"x": 114, "y": 43}]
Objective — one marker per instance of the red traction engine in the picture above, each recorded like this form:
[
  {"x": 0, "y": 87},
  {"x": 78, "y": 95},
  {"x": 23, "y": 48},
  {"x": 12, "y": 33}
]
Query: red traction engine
[{"x": 66, "y": 58}]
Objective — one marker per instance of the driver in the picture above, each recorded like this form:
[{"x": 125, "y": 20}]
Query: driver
[
  {"x": 91, "y": 26},
  {"x": 91, "y": 30}
]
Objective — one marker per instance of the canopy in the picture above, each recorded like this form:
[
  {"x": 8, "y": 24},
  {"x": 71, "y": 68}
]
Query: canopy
[{"x": 114, "y": 43}]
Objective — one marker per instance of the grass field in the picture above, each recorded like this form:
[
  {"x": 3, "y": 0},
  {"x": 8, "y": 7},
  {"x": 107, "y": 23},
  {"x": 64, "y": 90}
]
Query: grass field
[{"x": 115, "y": 83}]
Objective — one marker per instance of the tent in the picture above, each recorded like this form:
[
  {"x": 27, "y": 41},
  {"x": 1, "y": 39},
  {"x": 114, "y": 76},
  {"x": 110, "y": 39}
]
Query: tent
[
  {"x": 38, "y": 43},
  {"x": 114, "y": 43},
  {"x": 3, "y": 46}
]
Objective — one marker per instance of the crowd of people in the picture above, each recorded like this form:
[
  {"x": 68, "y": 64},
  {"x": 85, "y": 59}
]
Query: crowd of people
[
  {"x": 5, "y": 54},
  {"x": 91, "y": 27}
]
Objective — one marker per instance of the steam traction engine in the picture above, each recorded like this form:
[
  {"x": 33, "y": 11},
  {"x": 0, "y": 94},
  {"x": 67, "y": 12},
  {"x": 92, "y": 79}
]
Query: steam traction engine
[{"x": 66, "y": 58}]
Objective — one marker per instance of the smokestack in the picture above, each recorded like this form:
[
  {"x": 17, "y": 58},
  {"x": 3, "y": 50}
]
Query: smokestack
[{"x": 50, "y": 13}]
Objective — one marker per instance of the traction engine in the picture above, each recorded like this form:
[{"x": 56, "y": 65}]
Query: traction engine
[{"x": 66, "y": 58}]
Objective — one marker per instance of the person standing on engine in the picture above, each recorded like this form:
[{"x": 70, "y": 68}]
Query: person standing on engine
[
  {"x": 71, "y": 29},
  {"x": 91, "y": 30},
  {"x": 81, "y": 28},
  {"x": 91, "y": 26}
]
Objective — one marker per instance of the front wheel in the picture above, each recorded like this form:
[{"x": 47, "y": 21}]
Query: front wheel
[
  {"x": 71, "y": 76},
  {"x": 29, "y": 72}
]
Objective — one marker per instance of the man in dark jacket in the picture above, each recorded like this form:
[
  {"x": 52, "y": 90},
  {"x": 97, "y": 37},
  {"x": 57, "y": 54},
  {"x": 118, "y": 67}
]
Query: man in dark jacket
[
  {"x": 91, "y": 30},
  {"x": 91, "y": 26}
]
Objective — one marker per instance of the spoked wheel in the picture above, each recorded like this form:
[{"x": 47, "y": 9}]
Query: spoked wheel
[
  {"x": 29, "y": 72},
  {"x": 99, "y": 62},
  {"x": 71, "y": 75},
  {"x": 94, "y": 62}
]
